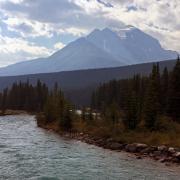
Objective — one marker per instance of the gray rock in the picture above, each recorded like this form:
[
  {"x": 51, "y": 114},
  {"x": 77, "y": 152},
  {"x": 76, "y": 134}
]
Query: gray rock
[
  {"x": 175, "y": 160},
  {"x": 131, "y": 148},
  {"x": 162, "y": 148},
  {"x": 162, "y": 160},
  {"x": 157, "y": 153},
  {"x": 141, "y": 146},
  {"x": 171, "y": 150},
  {"x": 109, "y": 140},
  {"x": 148, "y": 150},
  {"x": 135, "y": 147},
  {"x": 177, "y": 155},
  {"x": 116, "y": 146}
]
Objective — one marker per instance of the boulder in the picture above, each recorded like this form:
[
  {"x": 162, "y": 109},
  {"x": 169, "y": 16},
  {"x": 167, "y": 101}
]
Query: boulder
[
  {"x": 100, "y": 142},
  {"x": 177, "y": 155},
  {"x": 162, "y": 148},
  {"x": 162, "y": 160},
  {"x": 149, "y": 150},
  {"x": 175, "y": 160},
  {"x": 131, "y": 148},
  {"x": 116, "y": 146},
  {"x": 154, "y": 148},
  {"x": 157, "y": 153},
  {"x": 135, "y": 147},
  {"x": 109, "y": 140},
  {"x": 171, "y": 150},
  {"x": 141, "y": 146}
]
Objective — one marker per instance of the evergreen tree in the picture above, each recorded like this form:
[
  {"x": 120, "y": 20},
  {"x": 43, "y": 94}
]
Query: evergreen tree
[
  {"x": 90, "y": 115},
  {"x": 174, "y": 92},
  {"x": 152, "y": 103},
  {"x": 131, "y": 111},
  {"x": 83, "y": 114},
  {"x": 67, "y": 118},
  {"x": 4, "y": 100},
  {"x": 112, "y": 113},
  {"x": 164, "y": 90}
]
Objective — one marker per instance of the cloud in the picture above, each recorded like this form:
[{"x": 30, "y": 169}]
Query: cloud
[
  {"x": 28, "y": 28},
  {"x": 59, "y": 45},
  {"x": 132, "y": 8},
  {"x": 41, "y": 10},
  {"x": 106, "y": 4},
  {"x": 159, "y": 18},
  {"x": 32, "y": 21},
  {"x": 16, "y": 49}
]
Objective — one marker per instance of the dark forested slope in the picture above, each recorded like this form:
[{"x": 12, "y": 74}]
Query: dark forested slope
[{"x": 78, "y": 85}]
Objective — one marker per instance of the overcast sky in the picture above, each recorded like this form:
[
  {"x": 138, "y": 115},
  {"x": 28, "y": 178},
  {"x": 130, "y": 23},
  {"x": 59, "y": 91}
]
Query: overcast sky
[{"x": 37, "y": 28}]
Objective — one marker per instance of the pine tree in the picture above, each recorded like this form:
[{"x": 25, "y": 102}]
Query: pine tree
[
  {"x": 164, "y": 90},
  {"x": 4, "y": 101},
  {"x": 152, "y": 103},
  {"x": 131, "y": 111},
  {"x": 67, "y": 118},
  {"x": 112, "y": 113},
  {"x": 83, "y": 114},
  {"x": 90, "y": 115},
  {"x": 174, "y": 93}
]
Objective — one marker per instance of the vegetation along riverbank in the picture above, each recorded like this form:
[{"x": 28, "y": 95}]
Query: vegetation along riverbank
[
  {"x": 139, "y": 115},
  {"x": 141, "y": 109}
]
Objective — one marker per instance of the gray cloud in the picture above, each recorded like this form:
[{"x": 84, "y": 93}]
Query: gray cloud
[
  {"x": 33, "y": 18},
  {"x": 59, "y": 14},
  {"x": 24, "y": 28},
  {"x": 42, "y": 10},
  {"x": 106, "y": 4}
]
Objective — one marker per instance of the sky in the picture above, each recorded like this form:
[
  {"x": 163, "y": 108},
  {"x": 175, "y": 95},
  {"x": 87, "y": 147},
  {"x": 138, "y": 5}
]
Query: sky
[{"x": 31, "y": 29}]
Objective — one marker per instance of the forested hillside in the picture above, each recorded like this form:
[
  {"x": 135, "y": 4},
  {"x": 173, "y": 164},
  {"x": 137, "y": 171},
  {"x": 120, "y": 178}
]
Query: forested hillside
[
  {"x": 79, "y": 85},
  {"x": 141, "y": 99}
]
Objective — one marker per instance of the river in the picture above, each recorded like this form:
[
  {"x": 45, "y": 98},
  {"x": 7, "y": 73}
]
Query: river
[{"x": 29, "y": 152}]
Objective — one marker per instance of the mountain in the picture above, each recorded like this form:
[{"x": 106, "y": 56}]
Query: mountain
[
  {"x": 131, "y": 44},
  {"x": 110, "y": 42},
  {"x": 78, "y": 85},
  {"x": 80, "y": 54},
  {"x": 100, "y": 49}
]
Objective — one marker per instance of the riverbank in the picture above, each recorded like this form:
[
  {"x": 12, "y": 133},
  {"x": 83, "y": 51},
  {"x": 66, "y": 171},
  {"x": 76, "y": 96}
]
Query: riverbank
[
  {"x": 13, "y": 112},
  {"x": 161, "y": 153}
]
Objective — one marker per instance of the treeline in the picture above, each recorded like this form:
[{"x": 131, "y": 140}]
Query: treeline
[
  {"x": 57, "y": 110},
  {"x": 24, "y": 96},
  {"x": 141, "y": 100},
  {"x": 135, "y": 101},
  {"x": 49, "y": 104}
]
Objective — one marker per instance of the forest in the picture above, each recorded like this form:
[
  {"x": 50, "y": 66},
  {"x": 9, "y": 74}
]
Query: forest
[
  {"x": 146, "y": 99},
  {"x": 146, "y": 108}
]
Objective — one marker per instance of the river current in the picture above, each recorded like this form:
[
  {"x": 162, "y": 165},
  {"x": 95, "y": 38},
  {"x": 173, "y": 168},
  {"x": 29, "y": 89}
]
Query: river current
[{"x": 29, "y": 152}]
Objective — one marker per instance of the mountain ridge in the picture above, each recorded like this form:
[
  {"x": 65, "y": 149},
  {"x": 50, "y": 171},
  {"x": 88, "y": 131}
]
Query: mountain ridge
[
  {"x": 100, "y": 49},
  {"x": 78, "y": 85}
]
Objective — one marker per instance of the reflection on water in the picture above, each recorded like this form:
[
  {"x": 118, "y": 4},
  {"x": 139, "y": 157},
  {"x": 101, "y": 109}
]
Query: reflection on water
[{"x": 28, "y": 152}]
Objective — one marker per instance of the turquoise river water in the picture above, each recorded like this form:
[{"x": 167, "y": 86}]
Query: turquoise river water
[{"x": 29, "y": 152}]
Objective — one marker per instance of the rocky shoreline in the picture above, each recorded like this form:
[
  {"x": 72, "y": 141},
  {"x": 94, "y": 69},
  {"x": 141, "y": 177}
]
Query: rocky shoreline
[{"x": 163, "y": 154}]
